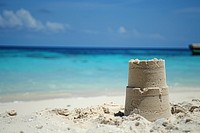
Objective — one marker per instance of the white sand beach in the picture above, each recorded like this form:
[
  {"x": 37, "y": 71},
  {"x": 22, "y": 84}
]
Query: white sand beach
[
  {"x": 97, "y": 114},
  {"x": 100, "y": 66}
]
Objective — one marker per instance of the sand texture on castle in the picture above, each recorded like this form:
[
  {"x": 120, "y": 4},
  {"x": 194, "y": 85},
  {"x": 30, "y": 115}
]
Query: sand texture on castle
[{"x": 147, "y": 91}]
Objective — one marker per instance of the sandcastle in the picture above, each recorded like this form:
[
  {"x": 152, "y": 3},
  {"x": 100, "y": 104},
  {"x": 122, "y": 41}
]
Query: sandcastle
[{"x": 147, "y": 91}]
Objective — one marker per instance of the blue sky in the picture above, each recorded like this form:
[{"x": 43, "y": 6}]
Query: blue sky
[{"x": 100, "y": 23}]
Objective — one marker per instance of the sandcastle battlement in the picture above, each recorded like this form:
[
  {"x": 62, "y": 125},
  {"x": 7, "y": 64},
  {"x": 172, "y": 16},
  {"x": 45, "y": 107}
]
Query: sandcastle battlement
[{"x": 147, "y": 73}]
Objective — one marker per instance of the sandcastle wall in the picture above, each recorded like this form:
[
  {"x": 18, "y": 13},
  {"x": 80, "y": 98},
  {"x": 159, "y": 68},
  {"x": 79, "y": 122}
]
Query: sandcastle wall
[{"x": 147, "y": 91}]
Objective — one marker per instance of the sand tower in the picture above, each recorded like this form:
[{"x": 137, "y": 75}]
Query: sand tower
[{"x": 147, "y": 91}]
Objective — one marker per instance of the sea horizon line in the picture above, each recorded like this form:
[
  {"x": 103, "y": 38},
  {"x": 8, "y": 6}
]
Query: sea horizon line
[{"x": 88, "y": 47}]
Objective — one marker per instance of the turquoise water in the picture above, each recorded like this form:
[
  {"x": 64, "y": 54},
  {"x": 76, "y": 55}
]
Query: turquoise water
[{"x": 85, "y": 70}]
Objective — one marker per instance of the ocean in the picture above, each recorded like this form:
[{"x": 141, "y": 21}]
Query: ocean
[{"x": 87, "y": 71}]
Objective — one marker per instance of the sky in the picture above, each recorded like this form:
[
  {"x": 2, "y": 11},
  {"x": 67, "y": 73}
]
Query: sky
[{"x": 100, "y": 23}]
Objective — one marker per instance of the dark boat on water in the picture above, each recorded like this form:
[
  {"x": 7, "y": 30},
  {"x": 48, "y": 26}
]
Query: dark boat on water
[{"x": 195, "y": 47}]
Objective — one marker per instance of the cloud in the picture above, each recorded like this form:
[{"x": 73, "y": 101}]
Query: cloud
[
  {"x": 134, "y": 33},
  {"x": 55, "y": 26},
  {"x": 129, "y": 32},
  {"x": 122, "y": 30},
  {"x": 23, "y": 19},
  {"x": 27, "y": 19}
]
